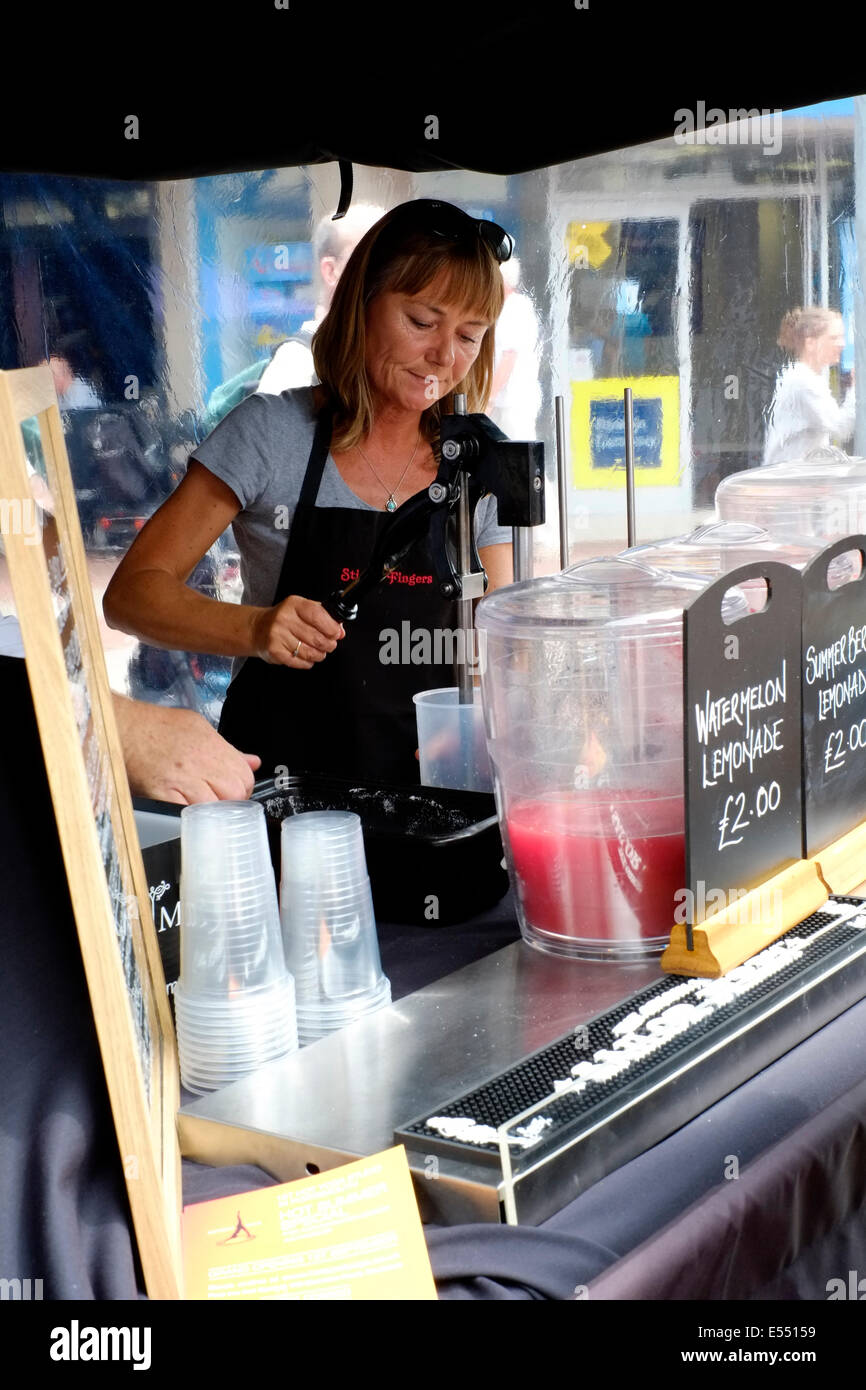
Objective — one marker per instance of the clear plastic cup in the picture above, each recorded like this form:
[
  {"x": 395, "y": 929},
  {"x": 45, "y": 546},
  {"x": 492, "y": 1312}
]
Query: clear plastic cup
[
  {"x": 452, "y": 746},
  {"x": 230, "y": 938},
  {"x": 328, "y": 1014},
  {"x": 223, "y": 1041},
  {"x": 241, "y": 1005},
  {"x": 239, "y": 1029},
  {"x": 327, "y": 848},
  {"x": 332, "y": 955},
  {"x": 216, "y": 1061},
  {"x": 326, "y": 908},
  {"x": 235, "y": 1000}
]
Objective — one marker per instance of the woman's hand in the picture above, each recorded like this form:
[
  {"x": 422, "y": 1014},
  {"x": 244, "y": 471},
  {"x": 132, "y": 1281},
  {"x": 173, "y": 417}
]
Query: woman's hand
[{"x": 297, "y": 632}]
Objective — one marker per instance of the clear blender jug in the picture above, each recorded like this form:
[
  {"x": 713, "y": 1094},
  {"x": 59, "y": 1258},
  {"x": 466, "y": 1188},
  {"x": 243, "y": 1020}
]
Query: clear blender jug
[{"x": 582, "y": 685}]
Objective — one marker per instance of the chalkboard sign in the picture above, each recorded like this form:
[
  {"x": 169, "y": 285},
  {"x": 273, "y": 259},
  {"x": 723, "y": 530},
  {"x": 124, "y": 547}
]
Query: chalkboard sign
[
  {"x": 834, "y": 695},
  {"x": 93, "y": 810},
  {"x": 742, "y": 739}
]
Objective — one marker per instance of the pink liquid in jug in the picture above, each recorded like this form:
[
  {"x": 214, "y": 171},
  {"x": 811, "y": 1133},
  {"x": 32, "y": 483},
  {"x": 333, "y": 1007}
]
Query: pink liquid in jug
[{"x": 604, "y": 867}]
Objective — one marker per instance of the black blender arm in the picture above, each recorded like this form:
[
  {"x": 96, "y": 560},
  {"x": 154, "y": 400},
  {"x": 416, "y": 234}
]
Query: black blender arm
[{"x": 513, "y": 470}]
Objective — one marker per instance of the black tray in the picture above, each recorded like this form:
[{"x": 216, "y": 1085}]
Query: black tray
[{"x": 434, "y": 856}]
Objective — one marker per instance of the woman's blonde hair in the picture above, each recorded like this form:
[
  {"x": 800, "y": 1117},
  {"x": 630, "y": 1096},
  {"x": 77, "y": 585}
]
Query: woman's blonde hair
[
  {"x": 800, "y": 324},
  {"x": 402, "y": 255}
]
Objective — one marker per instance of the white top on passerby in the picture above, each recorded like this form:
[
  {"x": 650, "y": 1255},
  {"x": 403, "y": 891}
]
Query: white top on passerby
[
  {"x": 290, "y": 366},
  {"x": 805, "y": 415},
  {"x": 10, "y": 636},
  {"x": 517, "y": 403}
]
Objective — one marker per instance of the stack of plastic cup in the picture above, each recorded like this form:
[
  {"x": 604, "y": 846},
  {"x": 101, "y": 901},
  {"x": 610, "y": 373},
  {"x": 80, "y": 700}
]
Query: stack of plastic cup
[
  {"x": 235, "y": 999},
  {"x": 329, "y": 928}
]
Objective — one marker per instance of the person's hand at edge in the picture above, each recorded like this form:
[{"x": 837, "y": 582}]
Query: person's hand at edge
[{"x": 175, "y": 755}]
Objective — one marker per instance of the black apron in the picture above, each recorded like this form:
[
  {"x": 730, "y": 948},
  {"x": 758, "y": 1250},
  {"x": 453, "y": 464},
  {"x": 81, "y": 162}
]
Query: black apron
[{"x": 351, "y": 715}]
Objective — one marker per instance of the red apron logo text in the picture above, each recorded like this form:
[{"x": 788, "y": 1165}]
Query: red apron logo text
[{"x": 393, "y": 577}]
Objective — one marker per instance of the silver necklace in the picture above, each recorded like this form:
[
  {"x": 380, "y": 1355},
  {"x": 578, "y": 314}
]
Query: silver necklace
[{"x": 390, "y": 505}]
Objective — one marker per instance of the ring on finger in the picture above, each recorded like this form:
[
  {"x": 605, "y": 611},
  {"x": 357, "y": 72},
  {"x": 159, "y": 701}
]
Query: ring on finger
[{"x": 297, "y": 648}]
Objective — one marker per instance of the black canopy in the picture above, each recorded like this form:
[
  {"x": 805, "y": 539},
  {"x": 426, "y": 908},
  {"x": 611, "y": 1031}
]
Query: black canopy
[{"x": 500, "y": 88}]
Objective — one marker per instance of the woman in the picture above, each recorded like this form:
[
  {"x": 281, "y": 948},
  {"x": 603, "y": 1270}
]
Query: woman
[
  {"x": 804, "y": 412},
  {"x": 410, "y": 323}
]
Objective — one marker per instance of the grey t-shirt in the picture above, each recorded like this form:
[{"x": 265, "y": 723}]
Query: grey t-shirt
[
  {"x": 10, "y": 637},
  {"x": 260, "y": 450}
]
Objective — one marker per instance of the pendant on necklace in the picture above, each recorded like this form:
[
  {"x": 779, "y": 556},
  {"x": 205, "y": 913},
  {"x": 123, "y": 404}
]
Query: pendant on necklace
[{"x": 391, "y": 505}]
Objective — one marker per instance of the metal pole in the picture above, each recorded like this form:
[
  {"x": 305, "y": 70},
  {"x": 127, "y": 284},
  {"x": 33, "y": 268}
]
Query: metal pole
[
  {"x": 561, "y": 480},
  {"x": 629, "y": 465},
  {"x": 521, "y": 549},
  {"x": 465, "y": 606}
]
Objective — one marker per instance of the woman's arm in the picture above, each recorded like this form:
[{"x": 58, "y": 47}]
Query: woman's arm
[
  {"x": 497, "y": 562},
  {"x": 148, "y": 596}
]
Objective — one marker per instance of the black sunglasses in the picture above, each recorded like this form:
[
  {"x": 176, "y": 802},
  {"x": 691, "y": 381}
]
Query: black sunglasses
[{"x": 446, "y": 220}]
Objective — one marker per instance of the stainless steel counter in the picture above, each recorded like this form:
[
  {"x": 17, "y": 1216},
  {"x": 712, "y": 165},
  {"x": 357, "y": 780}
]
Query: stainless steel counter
[{"x": 344, "y": 1096}]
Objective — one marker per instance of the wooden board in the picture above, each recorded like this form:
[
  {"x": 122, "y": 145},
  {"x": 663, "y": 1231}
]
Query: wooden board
[{"x": 93, "y": 809}]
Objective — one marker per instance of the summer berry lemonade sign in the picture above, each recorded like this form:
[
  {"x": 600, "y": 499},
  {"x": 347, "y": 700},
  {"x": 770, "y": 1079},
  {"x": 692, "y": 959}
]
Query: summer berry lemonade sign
[{"x": 834, "y": 697}]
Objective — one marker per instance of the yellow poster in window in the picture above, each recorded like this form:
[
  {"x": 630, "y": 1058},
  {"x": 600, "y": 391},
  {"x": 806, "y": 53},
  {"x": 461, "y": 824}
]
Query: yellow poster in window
[{"x": 598, "y": 431}]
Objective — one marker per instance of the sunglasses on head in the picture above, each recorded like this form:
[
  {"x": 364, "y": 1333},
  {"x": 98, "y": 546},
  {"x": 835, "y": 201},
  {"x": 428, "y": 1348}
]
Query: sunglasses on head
[{"x": 446, "y": 220}]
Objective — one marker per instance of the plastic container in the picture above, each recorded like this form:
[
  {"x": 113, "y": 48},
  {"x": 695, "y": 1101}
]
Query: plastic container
[
  {"x": 329, "y": 927},
  {"x": 723, "y": 546},
  {"x": 434, "y": 857},
  {"x": 223, "y": 1040},
  {"x": 452, "y": 748},
  {"x": 234, "y": 1000},
  {"x": 319, "y": 1020},
  {"x": 819, "y": 498},
  {"x": 583, "y": 698},
  {"x": 231, "y": 927}
]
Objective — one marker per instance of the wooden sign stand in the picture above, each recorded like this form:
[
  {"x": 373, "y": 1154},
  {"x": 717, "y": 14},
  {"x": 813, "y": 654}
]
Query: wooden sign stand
[
  {"x": 842, "y": 864},
  {"x": 731, "y": 936},
  {"x": 95, "y": 824}
]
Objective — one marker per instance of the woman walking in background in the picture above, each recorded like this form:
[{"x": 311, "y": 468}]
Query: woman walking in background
[{"x": 805, "y": 414}]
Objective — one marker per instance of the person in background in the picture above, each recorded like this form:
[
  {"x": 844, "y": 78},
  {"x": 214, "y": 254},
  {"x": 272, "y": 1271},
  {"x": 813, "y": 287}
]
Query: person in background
[
  {"x": 804, "y": 414},
  {"x": 515, "y": 395},
  {"x": 333, "y": 244},
  {"x": 291, "y": 364},
  {"x": 74, "y": 391}
]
